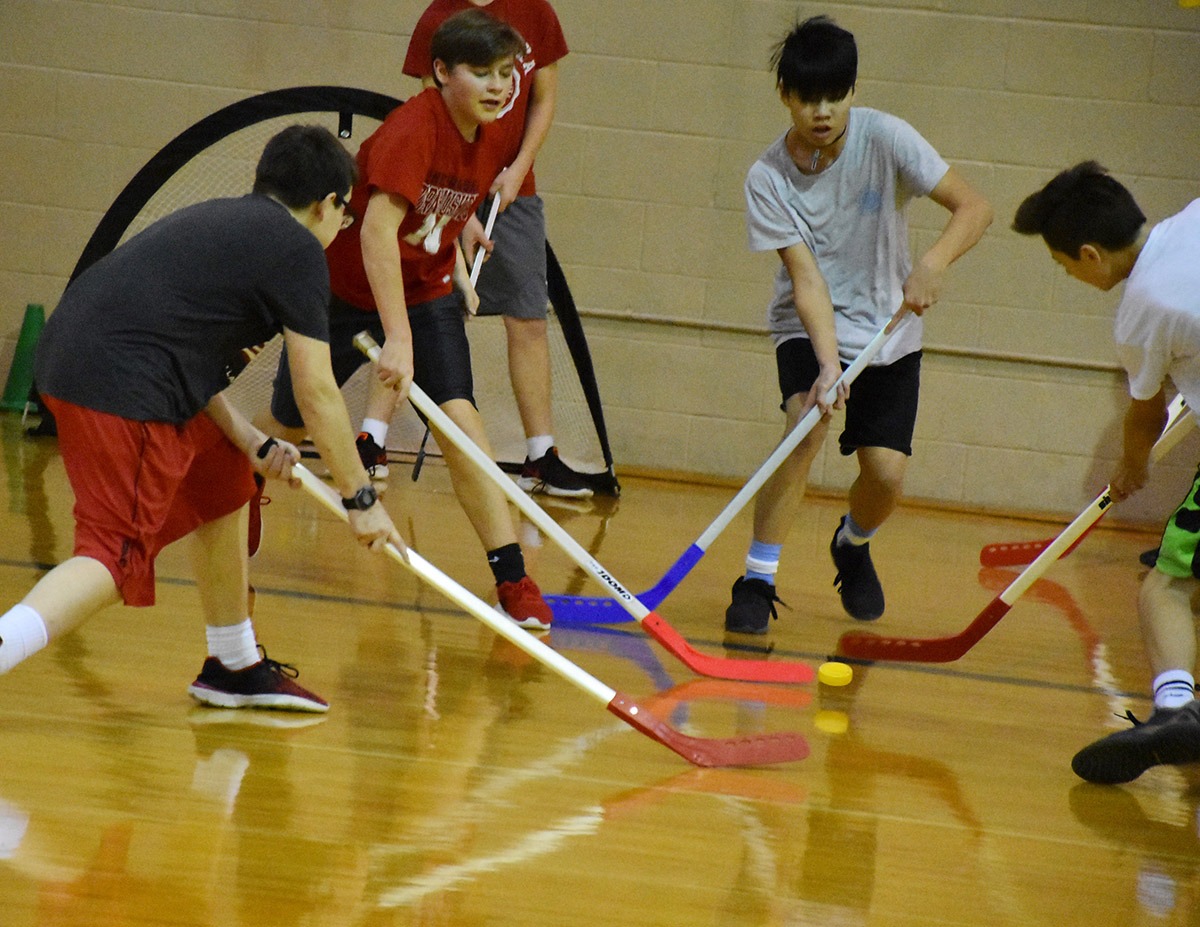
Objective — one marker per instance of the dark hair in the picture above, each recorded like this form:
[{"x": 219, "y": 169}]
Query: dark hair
[
  {"x": 817, "y": 60},
  {"x": 476, "y": 38},
  {"x": 304, "y": 164},
  {"x": 1082, "y": 205}
]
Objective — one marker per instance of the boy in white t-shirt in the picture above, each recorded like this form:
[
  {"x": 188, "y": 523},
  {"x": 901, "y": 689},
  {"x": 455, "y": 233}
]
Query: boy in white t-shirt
[
  {"x": 829, "y": 197},
  {"x": 1096, "y": 232}
]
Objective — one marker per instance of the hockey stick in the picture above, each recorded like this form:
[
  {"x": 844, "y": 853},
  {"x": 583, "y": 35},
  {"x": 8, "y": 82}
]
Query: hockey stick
[
  {"x": 580, "y": 609},
  {"x": 480, "y": 254},
  {"x": 867, "y": 646},
  {"x": 651, "y": 622},
  {"x": 1020, "y": 553},
  {"x": 476, "y": 266},
  {"x": 746, "y": 750}
]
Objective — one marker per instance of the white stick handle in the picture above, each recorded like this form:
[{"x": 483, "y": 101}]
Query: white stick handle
[
  {"x": 548, "y": 526},
  {"x": 477, "y": 264},
  {"x": 465, "y": 599}
]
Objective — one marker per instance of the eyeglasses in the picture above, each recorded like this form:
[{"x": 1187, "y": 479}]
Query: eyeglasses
[{"x": 348, "y": 216}]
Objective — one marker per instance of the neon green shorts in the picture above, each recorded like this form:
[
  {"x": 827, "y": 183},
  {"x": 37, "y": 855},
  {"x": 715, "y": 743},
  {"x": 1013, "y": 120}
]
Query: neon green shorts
[{"x": 1177, "y": 554}]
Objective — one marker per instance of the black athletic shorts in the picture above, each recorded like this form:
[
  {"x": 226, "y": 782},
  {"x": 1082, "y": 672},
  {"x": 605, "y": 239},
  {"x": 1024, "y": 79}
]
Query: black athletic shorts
[
  {"x": 441, "y": 352},
  {"x": 882, "y": 408}
]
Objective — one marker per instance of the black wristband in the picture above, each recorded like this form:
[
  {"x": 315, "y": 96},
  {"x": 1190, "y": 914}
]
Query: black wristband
[
  {"x": 361, "y": 500},
  {"x": 265, "y": 448}
]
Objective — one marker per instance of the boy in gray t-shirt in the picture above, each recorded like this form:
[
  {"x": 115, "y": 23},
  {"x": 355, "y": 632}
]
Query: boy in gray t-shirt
[{"x": 830, "y": 197}]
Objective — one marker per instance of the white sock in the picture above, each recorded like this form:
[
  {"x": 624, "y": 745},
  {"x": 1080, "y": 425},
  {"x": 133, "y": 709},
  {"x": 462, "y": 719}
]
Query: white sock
[
  {"x": 1173, "y": 689},
  {"x": 851, "y": 533},
  {"x": 539, "y": 446},
  {"x": 22, "y": 634},
  {"x": 234, "y": 645},
  {"x": 376, "y": 429}
]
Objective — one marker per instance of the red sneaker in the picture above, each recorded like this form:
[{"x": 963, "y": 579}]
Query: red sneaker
[{"x": 522, "y": 602}]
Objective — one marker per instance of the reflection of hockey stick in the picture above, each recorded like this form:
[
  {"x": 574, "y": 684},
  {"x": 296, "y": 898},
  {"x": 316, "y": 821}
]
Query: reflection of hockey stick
[
  {"x": 651, "y": 622},
  {"x": 1020, "y": 553},
  {"x": 654, "y": 596},
  {"x": 750, "y": 750}
]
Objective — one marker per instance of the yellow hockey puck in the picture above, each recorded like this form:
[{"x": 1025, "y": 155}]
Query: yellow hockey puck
[
  {"x": 832, "y": 722},
  {"x": 834, "y": 674}
]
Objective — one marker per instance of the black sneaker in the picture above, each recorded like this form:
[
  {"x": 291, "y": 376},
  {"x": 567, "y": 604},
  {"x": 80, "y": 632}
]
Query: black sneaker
[
  {"x": 265, "y": 684},
  {"x": 752, "y": 606},
  {"x": 550, "y": 475},
  {"x": 1148, "y": 558},
  {"x": 374, "y": 458},
  {"x": 1170, "y": 737},
  {"x": 857, "y": 584}
]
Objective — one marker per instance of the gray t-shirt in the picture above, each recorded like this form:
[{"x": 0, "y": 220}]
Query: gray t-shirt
[
  {"x": 852, "y": 217},
  {"x": 148, "y": 331}
]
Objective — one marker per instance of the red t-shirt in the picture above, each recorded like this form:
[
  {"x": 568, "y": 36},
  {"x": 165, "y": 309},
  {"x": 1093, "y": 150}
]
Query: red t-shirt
[
  {"x": 544, "y": 45},
  {"x": 419, "y": 154}
]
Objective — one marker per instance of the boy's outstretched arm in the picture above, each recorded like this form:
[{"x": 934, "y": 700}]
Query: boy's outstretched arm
[{"x": 970, "y": 215}]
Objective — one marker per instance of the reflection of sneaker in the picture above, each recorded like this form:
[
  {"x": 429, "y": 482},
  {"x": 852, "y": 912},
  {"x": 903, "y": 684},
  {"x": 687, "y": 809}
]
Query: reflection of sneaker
[
  {"x": 374, "y": 458},
  {"x": 257, "y": 501},
  {"x": 233, "y": 718},
  {"x": 752, "y": 607},
  {"x": 523, "y": 603},
  {"x": 856, "y": 581},
  {"x": 1170, "y": 737},
  {"x": 550, "y": 475},
  {"x": 266, "y": 684}
]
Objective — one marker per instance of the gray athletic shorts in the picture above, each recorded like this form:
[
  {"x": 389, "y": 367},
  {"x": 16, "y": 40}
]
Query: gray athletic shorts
[{"x": 512, "y": 281}]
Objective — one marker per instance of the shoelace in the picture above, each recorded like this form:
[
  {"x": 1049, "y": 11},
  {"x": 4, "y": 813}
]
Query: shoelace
[
  {"x": 854, "y": 568},
  {"x": 274, "y": 666},
  {"x": 772, "y": 598}
]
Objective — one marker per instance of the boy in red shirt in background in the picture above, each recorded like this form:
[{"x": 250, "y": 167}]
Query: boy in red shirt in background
[{"x": 399, "y": 274}]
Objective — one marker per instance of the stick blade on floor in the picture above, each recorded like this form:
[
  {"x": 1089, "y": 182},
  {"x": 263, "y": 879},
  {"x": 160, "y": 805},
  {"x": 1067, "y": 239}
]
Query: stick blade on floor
[{"x": 747, "y": 750}]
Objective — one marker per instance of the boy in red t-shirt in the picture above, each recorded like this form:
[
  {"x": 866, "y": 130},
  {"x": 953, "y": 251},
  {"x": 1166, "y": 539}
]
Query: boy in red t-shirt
[
  {"x": 513, "y": 281},
  {"x": 399, "y": 273}
]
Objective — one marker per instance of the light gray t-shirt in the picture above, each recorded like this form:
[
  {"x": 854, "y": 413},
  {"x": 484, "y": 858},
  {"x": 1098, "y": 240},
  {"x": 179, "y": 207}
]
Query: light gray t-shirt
[{"x": 852, "y": 217}]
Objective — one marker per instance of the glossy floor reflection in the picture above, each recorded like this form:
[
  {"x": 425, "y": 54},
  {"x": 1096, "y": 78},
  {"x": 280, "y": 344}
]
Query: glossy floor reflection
[{"x": 458, "y": 782}]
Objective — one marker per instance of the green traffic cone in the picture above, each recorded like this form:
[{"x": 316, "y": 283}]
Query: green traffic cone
[{"x": 20, "y": 374}]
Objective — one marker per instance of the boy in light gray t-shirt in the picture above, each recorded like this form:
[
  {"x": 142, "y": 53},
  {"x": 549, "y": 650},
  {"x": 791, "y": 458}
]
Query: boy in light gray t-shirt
[{"x": 830, "y": 197}]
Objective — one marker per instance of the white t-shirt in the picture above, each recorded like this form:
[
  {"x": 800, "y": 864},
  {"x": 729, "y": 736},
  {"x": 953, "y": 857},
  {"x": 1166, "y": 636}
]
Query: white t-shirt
[
  {"x": 852, "y": 216},
  {"x": 1157, "y": 324}
]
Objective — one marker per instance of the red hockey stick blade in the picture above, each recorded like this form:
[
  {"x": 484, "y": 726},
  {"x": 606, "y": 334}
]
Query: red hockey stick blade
[
  {"x": 747, "y": 750},
  {"x": 863, "y": 645},
  {"x": 1021, "y": 553},
  {"x": 723, "y": 667}
]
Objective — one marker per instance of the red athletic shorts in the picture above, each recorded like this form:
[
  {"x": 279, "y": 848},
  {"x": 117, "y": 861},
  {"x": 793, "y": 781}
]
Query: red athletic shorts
[{"x": 141, "y": 485}]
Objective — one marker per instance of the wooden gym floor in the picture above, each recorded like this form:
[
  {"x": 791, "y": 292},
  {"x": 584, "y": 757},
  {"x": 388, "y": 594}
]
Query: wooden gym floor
[{"x": 456, "y": 782}]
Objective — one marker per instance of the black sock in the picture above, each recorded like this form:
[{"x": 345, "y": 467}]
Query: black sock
[{"x": 507, "y": 563}]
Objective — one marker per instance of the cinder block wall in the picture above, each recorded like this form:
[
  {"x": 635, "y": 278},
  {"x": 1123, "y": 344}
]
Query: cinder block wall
[{"x": 664, "y": 105}]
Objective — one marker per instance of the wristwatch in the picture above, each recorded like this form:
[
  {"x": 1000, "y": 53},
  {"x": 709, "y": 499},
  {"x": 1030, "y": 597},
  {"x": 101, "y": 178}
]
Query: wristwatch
[{"x": 361, "y": 500}]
